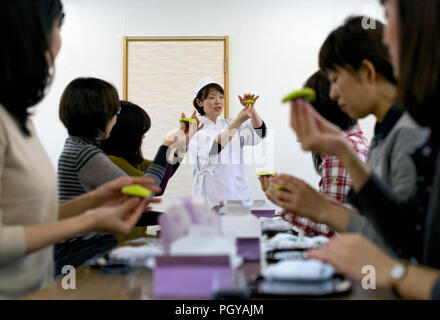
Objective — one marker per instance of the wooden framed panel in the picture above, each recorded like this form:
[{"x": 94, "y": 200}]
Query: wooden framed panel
[{"x": 160, "y": 74}]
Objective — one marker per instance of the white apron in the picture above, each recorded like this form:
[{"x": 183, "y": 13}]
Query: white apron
[{"x": 222, "y": 176}]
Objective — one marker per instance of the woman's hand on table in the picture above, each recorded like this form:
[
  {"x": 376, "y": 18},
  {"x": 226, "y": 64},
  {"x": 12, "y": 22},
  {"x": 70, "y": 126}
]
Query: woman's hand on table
[
  {"x": 297, "y": 197},
  {"x": 349, "y": 253}
]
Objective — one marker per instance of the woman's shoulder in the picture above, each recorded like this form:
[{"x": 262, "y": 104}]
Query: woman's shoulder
[
  {"x": 127, "y": 167},
  {"x": 117, "y": 160}
]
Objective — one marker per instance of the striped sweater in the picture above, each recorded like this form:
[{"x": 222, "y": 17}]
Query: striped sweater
[{"x": 83, "y": 167}]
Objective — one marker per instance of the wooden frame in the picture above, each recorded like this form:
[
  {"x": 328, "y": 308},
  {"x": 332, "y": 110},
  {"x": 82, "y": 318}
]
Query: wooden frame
[{"x": 126, "y": 40}]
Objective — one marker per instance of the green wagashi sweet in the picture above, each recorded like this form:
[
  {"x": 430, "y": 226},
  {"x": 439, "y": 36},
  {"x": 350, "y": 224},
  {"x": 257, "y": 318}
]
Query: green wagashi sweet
[
  {"x": 307, "y": 93},
  {"x": 187, "y": 120},
  {"x": 265, "y": 173},
  {"x": 250, "y": 101},
  {"x": 137, "y": 191}
]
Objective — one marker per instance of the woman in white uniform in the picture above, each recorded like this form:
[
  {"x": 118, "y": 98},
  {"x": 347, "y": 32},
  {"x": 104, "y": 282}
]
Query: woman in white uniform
[{"x": 216, "y": 151}]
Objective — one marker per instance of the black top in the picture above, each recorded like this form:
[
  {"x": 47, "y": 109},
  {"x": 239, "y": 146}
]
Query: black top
[
  {"x": 436, "y": 291},
  {"x": 382, "y": 129},
  {"x": 408, "y": 225}
]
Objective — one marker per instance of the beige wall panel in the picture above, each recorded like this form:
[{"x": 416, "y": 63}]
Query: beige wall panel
[{"x": 161, "y": 79}]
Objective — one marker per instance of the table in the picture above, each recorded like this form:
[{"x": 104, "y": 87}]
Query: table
[{"x": 91, "y": 284}]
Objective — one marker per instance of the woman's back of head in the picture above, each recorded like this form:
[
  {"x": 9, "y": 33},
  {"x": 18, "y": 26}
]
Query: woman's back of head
[
  {"x": 125, "y": 139},
  {"x": 87, "y": 105},
  {"x": 350, "y": 44}
]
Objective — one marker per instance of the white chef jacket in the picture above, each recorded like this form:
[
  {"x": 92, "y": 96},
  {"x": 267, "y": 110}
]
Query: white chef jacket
[{"x": 221, "y": 176}]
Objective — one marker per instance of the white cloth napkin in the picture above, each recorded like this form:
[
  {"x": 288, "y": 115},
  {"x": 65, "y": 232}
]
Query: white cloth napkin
[
  {"x": 290, "y": 241},
  {"x": 135, "y": 256},
  {"x": 274, "y": 224},
  {"x": 312, "y": 270}
]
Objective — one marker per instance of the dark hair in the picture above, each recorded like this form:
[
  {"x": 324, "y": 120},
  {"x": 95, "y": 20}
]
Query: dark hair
[
  {"x": 419, "y": 61},
  {"x": 126, "y": 137},
  {"x": 203, "y": 94},
  {"x": 87, "y": 105},
  {"x": 327, "y": 107},
  {"x": 351, "y": 43},
  {"x": 25, "y": 28}
]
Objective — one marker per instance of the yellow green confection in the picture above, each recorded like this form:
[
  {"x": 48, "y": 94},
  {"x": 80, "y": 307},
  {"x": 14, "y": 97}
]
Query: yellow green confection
[
  {"x": 307, "y": 93},
  {"x": 187, "y": 120},
  {"x": 265, "y": 173},
  {"x": 137, "y": 191}
]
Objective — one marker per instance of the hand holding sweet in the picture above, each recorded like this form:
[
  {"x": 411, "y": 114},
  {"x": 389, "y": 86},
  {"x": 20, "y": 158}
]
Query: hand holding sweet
[{"x": 314, "y": 132}]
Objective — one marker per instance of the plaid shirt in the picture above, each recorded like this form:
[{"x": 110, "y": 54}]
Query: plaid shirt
[{"x": 335, "y": 183}]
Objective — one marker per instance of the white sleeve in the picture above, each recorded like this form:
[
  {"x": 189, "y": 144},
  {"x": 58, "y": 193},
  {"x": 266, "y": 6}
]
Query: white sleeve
[
  {"x": 200, "y": 148},
  {"x": 249, "y": 135}
]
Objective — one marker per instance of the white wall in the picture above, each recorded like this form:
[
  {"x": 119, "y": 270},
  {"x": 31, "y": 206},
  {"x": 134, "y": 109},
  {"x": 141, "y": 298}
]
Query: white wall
[{"x": 273, "y": 49}]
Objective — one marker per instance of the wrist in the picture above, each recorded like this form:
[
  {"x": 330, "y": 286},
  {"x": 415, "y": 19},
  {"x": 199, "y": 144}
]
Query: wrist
[
  {"x": 344, "y": 151},
  {"x": 89, "y": 221},
  {"x": 395, "y": 271},
  {"x": 167, "y": 143},
  {"x": 322, "y": 212},
  {"x": 236, "y": 123},
  {"x": 93, "y": 199}
]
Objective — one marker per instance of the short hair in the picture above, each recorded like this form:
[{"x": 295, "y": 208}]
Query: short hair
[
  {"x": 25, "y": 27},
  {"x": 350, "y": 44},
  {"x": 87, "y": 105},
  {"x": 419, "y": 61},
  {"x": 327, "y": 107},
  {"x": 203, "y": 94},
  {"x": 125, "y": 140}
]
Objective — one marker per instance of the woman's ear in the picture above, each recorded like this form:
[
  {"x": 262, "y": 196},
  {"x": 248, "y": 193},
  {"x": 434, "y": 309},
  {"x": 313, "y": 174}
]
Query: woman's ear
[
  {"x": 368, "y": 70},
  {"x": 199, "y": 103}
]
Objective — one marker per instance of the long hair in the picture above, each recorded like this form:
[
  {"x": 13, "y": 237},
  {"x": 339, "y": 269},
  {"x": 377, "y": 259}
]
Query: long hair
[
  {"x": 25, "y": 74},
  {"x": 126, "y": 137},
  {"x": 419, "y": 62}
]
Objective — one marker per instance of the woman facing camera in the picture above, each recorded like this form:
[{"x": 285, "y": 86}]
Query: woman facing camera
[{"x": 216, "y": 151}]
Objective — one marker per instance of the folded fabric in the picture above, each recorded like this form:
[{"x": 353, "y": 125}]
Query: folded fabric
[
  {"x": 274, "y": 224},
  {"x": 310, "y": 270},
  {"x": 311, "y": 228},
  {"x": 290, "y": 241},
  {"x": 135, "y": 256}
]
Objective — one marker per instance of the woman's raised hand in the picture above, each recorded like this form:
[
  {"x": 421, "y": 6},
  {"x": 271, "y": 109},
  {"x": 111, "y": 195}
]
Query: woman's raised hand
[
  {"x": 313, "y": 131},
  {"x": 248, "y": 96}
]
